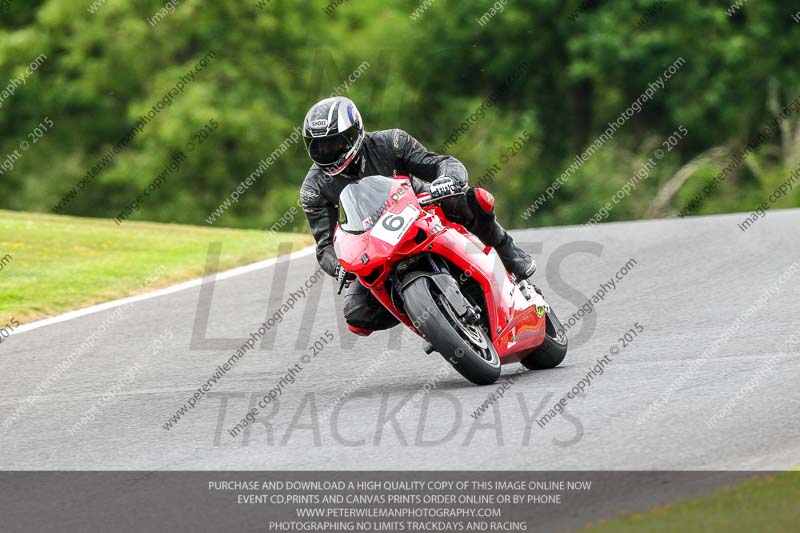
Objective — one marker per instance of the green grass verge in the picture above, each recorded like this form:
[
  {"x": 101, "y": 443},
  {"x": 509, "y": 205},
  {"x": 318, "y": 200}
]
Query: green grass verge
[
  {"x": 50, "y": 264},
  {"x": 763, "y": 504}
]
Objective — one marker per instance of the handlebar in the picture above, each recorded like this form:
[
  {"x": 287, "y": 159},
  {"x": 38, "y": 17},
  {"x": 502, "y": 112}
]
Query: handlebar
[
  {"x": 344, "y": 278},
  {"x": 427, "y": 199}
]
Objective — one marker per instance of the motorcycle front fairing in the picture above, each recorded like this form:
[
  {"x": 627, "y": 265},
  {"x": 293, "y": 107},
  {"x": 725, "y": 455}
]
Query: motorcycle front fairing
[
  {"x": 379, "y": 224},
  {"x": 382, "y": 224}
]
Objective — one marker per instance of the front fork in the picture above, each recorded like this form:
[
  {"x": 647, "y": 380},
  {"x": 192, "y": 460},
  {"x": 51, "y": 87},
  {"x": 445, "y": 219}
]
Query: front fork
[{"x": 448, "y": 288}]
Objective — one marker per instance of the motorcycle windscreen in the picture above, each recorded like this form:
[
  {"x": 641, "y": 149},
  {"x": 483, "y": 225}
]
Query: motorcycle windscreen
[{"x": 363, "y": 202}]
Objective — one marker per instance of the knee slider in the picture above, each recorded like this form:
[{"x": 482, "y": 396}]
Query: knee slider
[{"x": 362, "y": 332}]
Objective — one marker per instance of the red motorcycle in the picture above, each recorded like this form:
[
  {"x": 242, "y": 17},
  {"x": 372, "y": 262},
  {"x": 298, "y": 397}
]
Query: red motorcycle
[{"x": 442, "y": 282}]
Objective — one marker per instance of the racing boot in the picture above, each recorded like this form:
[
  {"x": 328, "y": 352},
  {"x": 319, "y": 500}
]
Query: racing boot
[{"x": 516, "y": 260}]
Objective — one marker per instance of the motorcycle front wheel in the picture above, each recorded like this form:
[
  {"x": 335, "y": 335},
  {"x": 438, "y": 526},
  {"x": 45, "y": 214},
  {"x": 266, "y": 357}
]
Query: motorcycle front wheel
[{"x": 465, "y": 346}]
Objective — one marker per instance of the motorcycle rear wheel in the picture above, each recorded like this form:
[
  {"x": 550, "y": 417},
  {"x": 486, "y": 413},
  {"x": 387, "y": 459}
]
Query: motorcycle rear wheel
[
  {"x": 552, "y": 351},
  {"x": 465, "y": 346}
]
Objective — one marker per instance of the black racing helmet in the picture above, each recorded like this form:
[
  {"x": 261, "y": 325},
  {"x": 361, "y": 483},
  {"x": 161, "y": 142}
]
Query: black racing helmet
[{"x": 333, "y": 133}]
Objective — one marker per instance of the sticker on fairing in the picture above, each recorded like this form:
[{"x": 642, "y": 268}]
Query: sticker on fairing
[
  {"x": 540, "y": 305},
  {"x": 392, "y": 226}
]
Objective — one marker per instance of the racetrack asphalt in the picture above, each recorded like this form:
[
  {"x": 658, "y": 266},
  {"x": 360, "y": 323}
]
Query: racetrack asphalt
[{"x": 652, "y": 407}]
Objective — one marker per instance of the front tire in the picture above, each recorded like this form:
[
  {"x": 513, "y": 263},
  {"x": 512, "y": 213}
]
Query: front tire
[
  {"x": 552, "y": 351},
  {"x": 465, "y": 346}
]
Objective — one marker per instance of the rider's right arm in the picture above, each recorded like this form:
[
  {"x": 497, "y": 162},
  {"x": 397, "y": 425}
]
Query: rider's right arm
[
  {"x": 321, "y": 216},
  {"x": 422, "y": 162}
]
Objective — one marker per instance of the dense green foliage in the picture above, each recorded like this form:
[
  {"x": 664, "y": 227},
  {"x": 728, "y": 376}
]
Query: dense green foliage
[{"x": 429, "y": 65}]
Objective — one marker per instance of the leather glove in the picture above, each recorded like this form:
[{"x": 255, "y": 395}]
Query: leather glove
[{"x": 444, "y": 186}]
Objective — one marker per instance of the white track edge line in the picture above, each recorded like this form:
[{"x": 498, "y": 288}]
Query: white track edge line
[{"x": 160, "y": 292}]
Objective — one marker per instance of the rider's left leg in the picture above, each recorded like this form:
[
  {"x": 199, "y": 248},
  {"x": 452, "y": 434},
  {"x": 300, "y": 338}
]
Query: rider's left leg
[{"x": 364, "y": 313}]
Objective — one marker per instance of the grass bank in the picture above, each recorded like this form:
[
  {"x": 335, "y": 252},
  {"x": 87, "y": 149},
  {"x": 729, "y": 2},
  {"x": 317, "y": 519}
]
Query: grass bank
[
  {"x": 50, "y": 264},
  {"x": 763, "y": 504}
]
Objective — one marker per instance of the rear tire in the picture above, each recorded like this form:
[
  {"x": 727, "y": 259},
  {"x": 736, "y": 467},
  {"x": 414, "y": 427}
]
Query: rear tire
[
  {"x": 467, "y": 347},
  {"x": 554, "y": 348}
]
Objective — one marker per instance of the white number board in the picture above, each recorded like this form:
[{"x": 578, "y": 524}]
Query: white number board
[{"x": 392, "y": 226}]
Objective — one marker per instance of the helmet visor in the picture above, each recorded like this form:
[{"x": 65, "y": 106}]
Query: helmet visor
[{"x": 327, "y": 150}]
